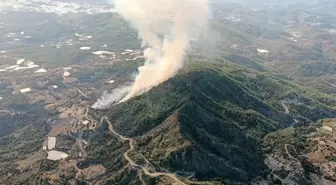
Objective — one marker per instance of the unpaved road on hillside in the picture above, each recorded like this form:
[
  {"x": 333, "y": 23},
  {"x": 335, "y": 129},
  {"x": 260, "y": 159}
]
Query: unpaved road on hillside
[
  {"x": 286, "y": 111},
  {"x": 133, "y": 164},
  {"x": 290, "y": 155},
  {"x": 79, "y": 141},
  {"x": 79, "y": 91},
  {"x": 285, "y": 107}
]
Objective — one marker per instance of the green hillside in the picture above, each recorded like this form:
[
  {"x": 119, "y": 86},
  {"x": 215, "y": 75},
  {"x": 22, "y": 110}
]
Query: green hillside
[{"x": 212, "y": 121}]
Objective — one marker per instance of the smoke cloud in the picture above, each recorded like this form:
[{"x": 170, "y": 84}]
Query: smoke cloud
[
  {"x": 165, "y": 27},
  {"x": 108, "y": 99}
]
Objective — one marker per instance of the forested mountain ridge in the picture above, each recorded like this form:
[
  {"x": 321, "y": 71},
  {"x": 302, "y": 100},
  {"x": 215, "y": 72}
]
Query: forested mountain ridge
[{"x": 211, "y": 121}]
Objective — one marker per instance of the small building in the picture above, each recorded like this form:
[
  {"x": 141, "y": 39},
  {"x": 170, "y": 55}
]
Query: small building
[
  {"x": 66, "y": 74},
  {"x": 85, "y": 122},
  {"x": 25, "y": 90},
  {"x": 41, "y": 71},
  {"x": 103, "y": 53},
  {"x": 85, "y": 48},
  {"x": 110, "y": 81},
  {"x": 262, "y": 51}
]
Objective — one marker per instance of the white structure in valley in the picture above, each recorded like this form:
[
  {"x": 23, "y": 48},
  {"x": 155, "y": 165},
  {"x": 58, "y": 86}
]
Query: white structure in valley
[
  {"x": 41, "y": 71},
  {"x": 56, "y": 155},
  {"x": 103, "y": 53},
  {"x": 51, "y": 143},
  {"x": 85, "y": 48},
  {"x": 20, "y": 61},
  {"x": 53, "y": 154},
  {"x": 262, "y": 51},
  {"x": 66, "y": 74},
  {"x": 86, "y": 122},
  {"x": 25, "y": 90}
]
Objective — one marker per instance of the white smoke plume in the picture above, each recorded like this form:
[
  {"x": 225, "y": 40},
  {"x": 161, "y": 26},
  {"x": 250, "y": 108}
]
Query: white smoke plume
[
  {"x": 165, "y": 27},
  {"x": 108, "y": 99}
]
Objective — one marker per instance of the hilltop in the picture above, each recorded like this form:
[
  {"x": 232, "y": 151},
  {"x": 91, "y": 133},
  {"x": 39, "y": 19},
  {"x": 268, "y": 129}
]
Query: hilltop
[{"x": 209, "y": 123}]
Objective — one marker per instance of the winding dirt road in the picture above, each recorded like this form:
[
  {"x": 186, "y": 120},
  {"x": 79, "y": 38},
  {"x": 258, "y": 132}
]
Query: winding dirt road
[
  {"x": 93, "y": 123},
  {"x": 133, "y": 164},
  {"x": 79, "y": 91},
  {"x": 285, "y": 107},
  {"x": 286, "y": 111},
  {"x": 79, "y": 141},
  {"x": 290, "y": 155}
]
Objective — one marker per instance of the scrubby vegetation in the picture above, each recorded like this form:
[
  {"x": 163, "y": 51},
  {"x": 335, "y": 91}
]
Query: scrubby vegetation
[{"x": 218, "y": 115}]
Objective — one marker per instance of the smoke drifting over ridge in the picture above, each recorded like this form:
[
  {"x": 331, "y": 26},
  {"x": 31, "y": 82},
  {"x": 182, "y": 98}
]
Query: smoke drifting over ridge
[
  {"x": 165, "y": 27},
  {"x": 108, "y": 99}
]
